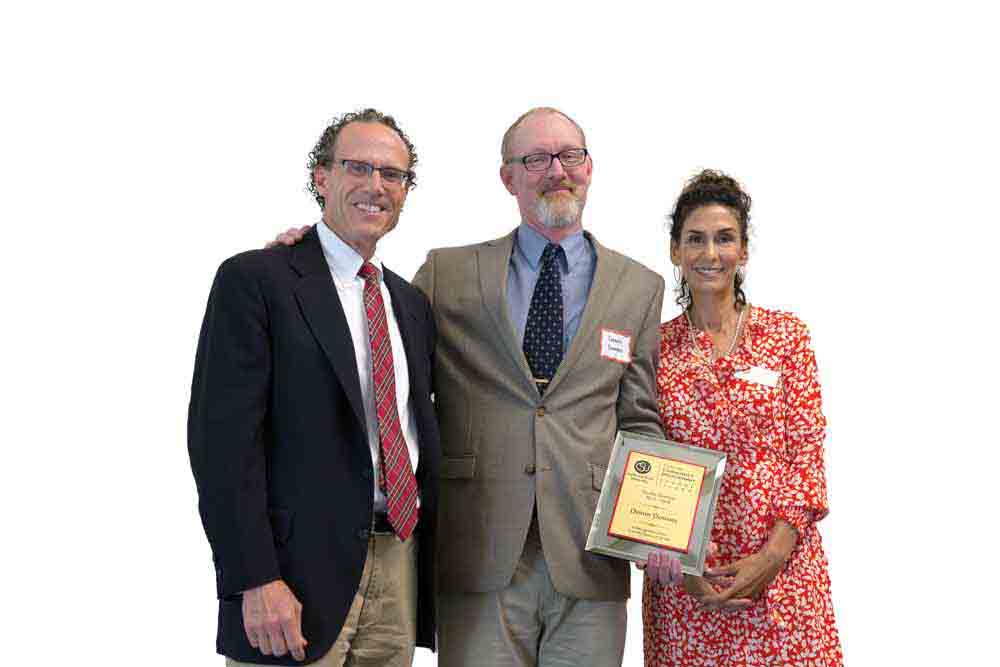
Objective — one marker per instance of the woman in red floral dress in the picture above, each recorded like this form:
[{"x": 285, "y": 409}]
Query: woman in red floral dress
[{"x": 743, "y": 380}]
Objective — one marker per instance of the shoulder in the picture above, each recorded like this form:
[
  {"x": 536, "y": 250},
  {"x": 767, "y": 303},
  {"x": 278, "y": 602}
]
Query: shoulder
[
  {"x": 673, "y": 332},
  {"x": 457, "y": 253},
  {"x": 254, "y": 264},
  {"x": 635, "y": 271},
  {"x": 781, "y": 322},
  {"x": 781, "y": 331},
  {"x": 403, "y": 287}
]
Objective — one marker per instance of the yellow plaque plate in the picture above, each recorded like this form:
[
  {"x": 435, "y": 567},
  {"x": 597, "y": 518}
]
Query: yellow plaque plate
[{"x": 657, "y": 501}]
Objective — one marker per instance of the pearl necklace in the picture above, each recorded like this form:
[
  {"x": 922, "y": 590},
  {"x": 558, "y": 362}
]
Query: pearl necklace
[{"x": 732, "y": 346}]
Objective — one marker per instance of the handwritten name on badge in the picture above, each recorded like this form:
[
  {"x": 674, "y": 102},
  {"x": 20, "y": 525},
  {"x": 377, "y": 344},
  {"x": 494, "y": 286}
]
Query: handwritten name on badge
[
  {"x": 616, "y": 345},
  {"x": 759, "y": 375}
]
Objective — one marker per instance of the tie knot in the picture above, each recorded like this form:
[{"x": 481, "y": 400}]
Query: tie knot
[
  {"x": 551, "y": 252},
  {"x": 368, "y": 272}
]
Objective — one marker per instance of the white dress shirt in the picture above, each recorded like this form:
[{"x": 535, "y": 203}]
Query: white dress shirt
[{"x": 344, "y": 264}]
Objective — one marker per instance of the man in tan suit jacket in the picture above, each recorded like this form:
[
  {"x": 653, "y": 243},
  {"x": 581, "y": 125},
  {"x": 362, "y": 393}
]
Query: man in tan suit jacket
[{"x": 523, "y": 460}]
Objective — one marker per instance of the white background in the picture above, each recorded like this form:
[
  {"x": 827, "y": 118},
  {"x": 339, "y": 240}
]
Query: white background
[{"x": 142, "y": 144}]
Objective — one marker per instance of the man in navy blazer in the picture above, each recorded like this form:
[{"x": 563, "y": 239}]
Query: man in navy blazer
[{"x": 304, "y": 453}]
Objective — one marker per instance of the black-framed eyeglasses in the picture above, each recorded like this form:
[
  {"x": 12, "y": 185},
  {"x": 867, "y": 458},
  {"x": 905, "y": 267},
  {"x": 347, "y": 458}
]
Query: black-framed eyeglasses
[
  {"x": 571, "y": 157},
  {"x": 391, "y": 175}
]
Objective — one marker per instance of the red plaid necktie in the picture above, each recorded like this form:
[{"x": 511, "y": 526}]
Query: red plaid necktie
[{"x": 396, "y": 479}]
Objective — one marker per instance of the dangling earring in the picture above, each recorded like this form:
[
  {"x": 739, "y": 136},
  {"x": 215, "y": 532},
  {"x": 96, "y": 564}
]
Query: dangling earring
[{"x": 677, "y": 274}]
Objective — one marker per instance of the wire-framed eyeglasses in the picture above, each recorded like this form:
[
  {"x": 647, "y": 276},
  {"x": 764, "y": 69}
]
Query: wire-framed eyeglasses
[
  {"x": 569, "y": 158},
  {"x": 360, "y": 169}
]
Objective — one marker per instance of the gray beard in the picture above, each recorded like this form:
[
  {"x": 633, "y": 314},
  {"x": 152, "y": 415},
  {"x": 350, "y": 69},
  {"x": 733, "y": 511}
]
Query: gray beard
[{"x": 558, "y": 216}]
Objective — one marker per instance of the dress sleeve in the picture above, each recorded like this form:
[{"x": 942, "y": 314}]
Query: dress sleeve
[{"x": 800, "y": 498}]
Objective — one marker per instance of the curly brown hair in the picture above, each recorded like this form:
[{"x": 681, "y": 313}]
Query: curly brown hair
[
  {"x": 322, "y": 153},
  {"x": 703, "y": 189}
]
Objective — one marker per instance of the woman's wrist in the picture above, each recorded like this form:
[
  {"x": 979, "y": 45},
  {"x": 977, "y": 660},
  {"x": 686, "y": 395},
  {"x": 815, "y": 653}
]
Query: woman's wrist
[{"x": 782, "y": 543}]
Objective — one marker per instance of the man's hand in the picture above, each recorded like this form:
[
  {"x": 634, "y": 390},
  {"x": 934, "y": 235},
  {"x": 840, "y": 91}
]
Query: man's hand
[
  {"x": 662, "y": 567},
  {"x": 291, "y": 237},
  {"x": 272, "y": 619}
]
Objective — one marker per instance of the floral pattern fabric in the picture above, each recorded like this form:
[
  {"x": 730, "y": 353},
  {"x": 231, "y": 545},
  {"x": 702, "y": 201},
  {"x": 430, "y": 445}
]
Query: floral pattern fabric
[{"x": 773, "y": 438}]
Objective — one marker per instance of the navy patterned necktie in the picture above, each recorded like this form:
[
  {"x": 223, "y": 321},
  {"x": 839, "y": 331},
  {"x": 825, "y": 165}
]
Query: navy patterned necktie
[{"x": 543, "y": 334}]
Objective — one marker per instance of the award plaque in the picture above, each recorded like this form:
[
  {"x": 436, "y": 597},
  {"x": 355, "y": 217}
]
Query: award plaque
[{"x": 657, "y": 494}]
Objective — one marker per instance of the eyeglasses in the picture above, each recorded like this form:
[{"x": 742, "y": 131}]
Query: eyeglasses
[
  {"x": 571, "y": 157},
  {"x": 391, "y": 175}
]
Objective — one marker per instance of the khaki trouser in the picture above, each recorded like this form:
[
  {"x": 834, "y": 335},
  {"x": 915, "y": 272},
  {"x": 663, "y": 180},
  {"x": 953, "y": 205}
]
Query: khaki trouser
[
  {"x": 530, "y": 623},
  {"x": 381, "y": 626}
]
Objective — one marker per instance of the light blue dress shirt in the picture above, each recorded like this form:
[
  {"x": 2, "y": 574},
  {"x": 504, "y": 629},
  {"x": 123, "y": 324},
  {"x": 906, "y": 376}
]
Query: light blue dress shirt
[{"x": 576, "y": 272}]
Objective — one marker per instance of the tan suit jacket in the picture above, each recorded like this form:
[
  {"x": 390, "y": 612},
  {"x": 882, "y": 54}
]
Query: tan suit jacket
[{"x": 505, "y": 447}]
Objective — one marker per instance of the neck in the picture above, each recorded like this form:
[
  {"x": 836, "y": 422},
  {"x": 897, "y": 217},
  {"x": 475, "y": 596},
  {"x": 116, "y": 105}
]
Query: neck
[
  {"x": 712, "y": 312},
  {"x": 360, "y": 246},
  {"x": 553, "y": 234}
]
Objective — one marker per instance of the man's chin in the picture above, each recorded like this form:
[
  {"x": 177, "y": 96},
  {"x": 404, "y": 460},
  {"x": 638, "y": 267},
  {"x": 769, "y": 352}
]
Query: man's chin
[{"x": 559, "y": 215}]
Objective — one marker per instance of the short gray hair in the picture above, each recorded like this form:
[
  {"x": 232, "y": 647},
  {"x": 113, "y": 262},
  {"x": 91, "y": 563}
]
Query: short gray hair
[{"x": 508, "y": 136}]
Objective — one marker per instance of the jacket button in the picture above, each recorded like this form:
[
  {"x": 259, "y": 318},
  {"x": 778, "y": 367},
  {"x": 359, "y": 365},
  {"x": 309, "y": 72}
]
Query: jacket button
[
  {"x": 366, "y": 473},
  {"x": 540, "y": 411},
  {"x": 363, "y": 534},
  {"x": 530, "y": 468}
]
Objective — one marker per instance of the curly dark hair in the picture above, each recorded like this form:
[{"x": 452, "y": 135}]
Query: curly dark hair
[
  {"x": 706, "y": 188},
  {"x": 322, "y": 153}
]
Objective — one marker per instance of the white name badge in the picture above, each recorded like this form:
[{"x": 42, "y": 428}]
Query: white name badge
[
  {"x": 759, "y": 375},
  {"x": 616, "y": 346}
]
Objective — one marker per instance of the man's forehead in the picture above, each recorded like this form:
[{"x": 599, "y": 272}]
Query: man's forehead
[
  {"x": 547, "y": 129},
  {"x": 363, "y": 139}
]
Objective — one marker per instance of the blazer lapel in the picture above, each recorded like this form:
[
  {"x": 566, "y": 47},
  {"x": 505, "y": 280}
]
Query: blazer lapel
[
  {"x": 320, "y": 304},
  {"x": 606, "y": 276},
  {"x": 494, "y": 263}
]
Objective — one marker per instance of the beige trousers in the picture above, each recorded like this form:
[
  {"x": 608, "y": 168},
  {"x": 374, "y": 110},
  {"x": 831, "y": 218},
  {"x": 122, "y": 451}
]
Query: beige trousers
[
  {"x": 529, "y": 623},
  {"x": 381, "y": 626}
]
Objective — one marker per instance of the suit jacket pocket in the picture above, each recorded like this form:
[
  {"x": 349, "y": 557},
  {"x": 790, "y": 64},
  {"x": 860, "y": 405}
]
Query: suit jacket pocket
[
  {"x": 458, "y": 467},
  {"x": 281, "y": 525}
]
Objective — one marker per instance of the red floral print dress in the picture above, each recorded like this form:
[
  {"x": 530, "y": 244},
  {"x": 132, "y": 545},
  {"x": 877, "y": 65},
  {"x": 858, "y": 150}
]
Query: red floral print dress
[{"x": 773, "y": 437}]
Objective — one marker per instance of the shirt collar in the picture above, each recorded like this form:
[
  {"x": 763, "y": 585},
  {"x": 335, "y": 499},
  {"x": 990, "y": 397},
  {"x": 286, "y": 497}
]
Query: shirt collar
[
  {"x": 531, "y": 244},
  {"x": 344, "y": 261}
]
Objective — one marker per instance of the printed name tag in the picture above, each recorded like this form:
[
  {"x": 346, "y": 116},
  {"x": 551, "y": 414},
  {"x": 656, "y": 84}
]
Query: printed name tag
[
  {"x": 759, "y": 375},
  {"x": 616, "y": 345}
]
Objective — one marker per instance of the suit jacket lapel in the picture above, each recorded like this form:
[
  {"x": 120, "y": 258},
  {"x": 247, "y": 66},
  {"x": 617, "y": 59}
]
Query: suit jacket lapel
[
  {"x": 602, "y": 289},
  {"x": 320, "y": 304},
  {"x": 406, "y": 320},
  {"x": 494, "y": 263}
]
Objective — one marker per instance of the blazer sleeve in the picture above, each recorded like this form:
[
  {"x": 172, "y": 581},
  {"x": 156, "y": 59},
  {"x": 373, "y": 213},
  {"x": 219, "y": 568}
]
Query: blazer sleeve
[
  {"x": 637, "y": 393},
  {"x": 227, "y": 422}
]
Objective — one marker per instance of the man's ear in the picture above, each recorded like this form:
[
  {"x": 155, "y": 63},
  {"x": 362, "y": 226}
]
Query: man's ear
[
  {"x": 507, "y": 176},
  {"x": 320, "y": 177}
]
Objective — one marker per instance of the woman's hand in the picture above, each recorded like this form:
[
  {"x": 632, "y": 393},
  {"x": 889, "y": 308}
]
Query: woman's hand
[
  {"x": 748, "y": 577},
  {"x": 701, "y": 590}
]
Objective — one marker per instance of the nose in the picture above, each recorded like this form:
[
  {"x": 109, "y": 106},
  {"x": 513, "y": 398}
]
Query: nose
[
  {"x": 556, "y": 169},
  {"x": 375, "y": 178},
  {"x": 711, "y": 249}
]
